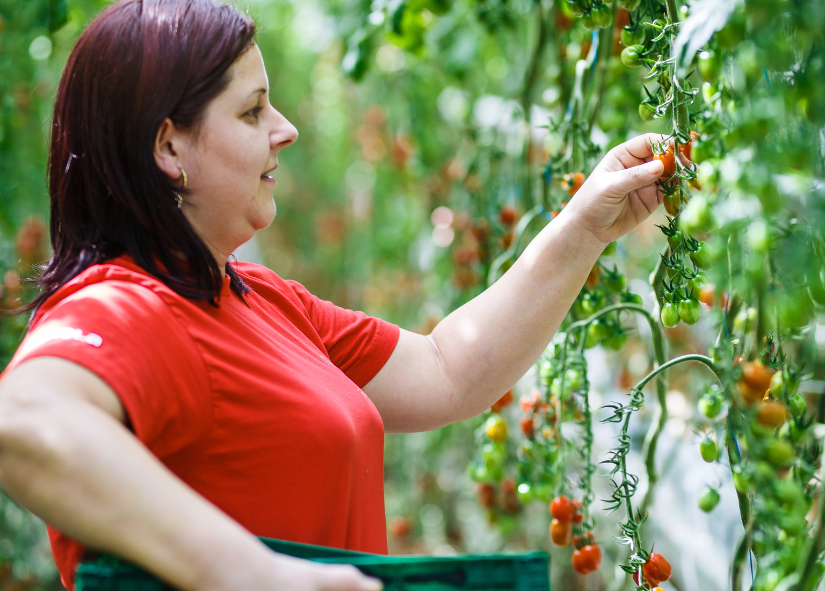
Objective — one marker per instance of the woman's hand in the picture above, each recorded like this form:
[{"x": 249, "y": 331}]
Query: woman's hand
[
  {"x": 621, "y": 192},
  {"x": 295, "y": 574}
]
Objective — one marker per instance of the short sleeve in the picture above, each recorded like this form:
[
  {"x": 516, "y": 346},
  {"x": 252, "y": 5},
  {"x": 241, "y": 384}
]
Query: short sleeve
[
  {"x": 358, "y": 344},
  {"x": 125, "y": 334}
]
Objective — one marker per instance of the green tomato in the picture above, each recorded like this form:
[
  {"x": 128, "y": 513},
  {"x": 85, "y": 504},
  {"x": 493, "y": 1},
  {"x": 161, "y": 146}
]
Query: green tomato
[
  {"x": 745, "y": 320},
  {"x": 710, "y": 65},
  {"x": 591, "y": 338},
  {"x": 789, "y": 491},
  {"x": 701, "y": 151},
  {"x": 479, "y": 473},
  {"x": 617, "y": 341},
  {"x": 633, "y": 36},
  {"x": 602, "y": 328},
  {"x": 602, "y": 16},
  {"x": 575, "y": 8},
  {"x": 697, "y": 217},
  {"x": 493, "y": 455},
  {"x": 609, "y": 250},
  {"x": 573, "y": 379},
  {"x": 615, "y": 282},
  {"x": 631, "y": 56},
  {"x": 632, "y": 298},
  {"x": 792, "y": 523},
  {"x": 710, "y": 406},
  {"x": 703, "y": 256},
  {"x": 742, "y": 482},
  {"x": 708, "y": 499},
  {"x": 709, "y": 93},
  {"x": 675, "y": 241},
  {"x": 797, "y": 406},
  {"x": 646, "y": 112},
  {"x": 670, "y": 314},
  {"x": 690, "y": 311},
  {"x": 721, "y": 354},
  {"x": 695, "y": 283},
  {"x": 778, "y": 452},
  {"x": 630, "y": 5},
  {"x": 589, "y": 21},
  {"x": 709, "y": 450},
  {"x": 778, "y": 384}
]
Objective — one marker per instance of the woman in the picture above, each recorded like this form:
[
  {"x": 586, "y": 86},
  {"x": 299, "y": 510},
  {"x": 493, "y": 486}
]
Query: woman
[{"x": 168, "y": 406}]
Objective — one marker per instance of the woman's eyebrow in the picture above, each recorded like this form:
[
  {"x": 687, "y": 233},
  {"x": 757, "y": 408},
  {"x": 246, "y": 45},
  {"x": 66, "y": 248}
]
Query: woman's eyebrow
[{"x": 258, "y": 91}]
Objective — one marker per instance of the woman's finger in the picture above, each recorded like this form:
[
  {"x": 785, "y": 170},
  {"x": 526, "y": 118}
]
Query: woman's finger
[
  {"x": 635, "y": 177},
  {"x": 637, "y": 150}
]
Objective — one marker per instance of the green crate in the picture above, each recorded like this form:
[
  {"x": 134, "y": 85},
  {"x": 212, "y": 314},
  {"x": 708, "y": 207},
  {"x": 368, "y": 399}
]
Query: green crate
[{"x": 480, "y": 572}]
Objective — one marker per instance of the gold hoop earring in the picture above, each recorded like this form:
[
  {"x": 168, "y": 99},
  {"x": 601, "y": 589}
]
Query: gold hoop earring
[{"x": 183, "y": 172}]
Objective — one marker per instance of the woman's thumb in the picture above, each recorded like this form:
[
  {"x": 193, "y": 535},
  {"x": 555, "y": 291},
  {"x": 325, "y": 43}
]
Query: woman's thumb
[{"x": 639, "y": 176}]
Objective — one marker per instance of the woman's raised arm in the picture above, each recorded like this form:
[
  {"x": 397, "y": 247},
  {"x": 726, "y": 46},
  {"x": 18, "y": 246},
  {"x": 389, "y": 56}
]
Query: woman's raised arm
[
  {"x": 66, "y": 456},
  {"x": 480, "y": 350}
]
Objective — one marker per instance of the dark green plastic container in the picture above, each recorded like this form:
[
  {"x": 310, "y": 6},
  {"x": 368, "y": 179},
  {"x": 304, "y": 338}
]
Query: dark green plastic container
[{"x": 492, "y": 572}]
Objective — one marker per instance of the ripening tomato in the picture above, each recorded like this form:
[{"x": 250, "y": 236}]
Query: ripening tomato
[
  {"x": 496, "y": 428},
  {"x": 400, "y": 527},
  {"x": 687, "y": 148},
  {"x": 528, "y": 427},
  {"x": 672, "y": 200},
  {"x": 572, "y": 182},
  {"x": 593, "y": 277},
  {"x": 578, "y": 516},
  {"x": 757, "y": 376},
  {"x": 529, "y": 402},
  {"x": 486, "y": 494},
  {"x": 668, "y": 159},
  {"x": 707, "y": 294},
  {"x": 560, "y": 532},
  {"x": 507, "y": 215},
  {"x": 772, "y": 414},
  {"x": 502, "y": 402},
  {"x": 657, "y": 569},
  {"x": 587, "y": 560},
  {"x": 562, "y": 509}
]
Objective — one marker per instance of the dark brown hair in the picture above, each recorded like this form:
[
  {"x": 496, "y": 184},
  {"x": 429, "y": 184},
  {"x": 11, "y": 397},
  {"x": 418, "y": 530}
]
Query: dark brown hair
[{"x": 137, "y": 63}]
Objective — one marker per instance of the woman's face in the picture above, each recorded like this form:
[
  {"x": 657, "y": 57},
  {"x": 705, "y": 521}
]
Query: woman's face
[{"x": 230, "y": 161}]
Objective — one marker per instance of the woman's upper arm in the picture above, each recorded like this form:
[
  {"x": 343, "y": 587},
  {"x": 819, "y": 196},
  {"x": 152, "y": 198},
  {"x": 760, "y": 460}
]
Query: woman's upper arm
[{"x": 42, "y": 380}]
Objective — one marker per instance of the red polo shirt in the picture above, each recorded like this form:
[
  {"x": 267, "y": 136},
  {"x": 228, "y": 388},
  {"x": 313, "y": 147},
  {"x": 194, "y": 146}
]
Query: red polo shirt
[{"x": 257, "y": 406}]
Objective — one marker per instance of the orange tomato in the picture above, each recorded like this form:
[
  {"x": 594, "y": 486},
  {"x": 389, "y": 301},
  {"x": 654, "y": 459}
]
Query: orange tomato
[
  {"x": 587, "y": 560},
  {"x": 572, "y": 182},
  {"x": 668, "y": 159},
  {"x": 486, "y": 495},
  {"x": 593, "y": 278},
  {"x": 560, "y": 532},
  {"x": 707, "y": 294},
  {"x": 508, "y": 215},
  {"x": 528, "y": 427},
  {"x": 757, "y": 376},
  {"x": 772, "y": 414},
  {"x": 502, "y": 402},
  {"x": 687, "y": 148}
]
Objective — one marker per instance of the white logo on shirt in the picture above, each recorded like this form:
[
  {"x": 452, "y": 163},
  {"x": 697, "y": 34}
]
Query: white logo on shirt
[{"x": 64, "y": 333}]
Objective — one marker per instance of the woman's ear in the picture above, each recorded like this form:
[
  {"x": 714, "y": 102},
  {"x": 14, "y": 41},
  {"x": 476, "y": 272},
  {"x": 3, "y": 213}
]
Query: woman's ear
[{"x": 168, "y": 144}]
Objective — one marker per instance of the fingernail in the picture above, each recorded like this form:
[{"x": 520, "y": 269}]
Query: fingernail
[{"x": 654, "y": 167}]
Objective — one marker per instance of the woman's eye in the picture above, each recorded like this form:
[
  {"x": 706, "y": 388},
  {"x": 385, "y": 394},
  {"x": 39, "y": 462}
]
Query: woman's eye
[{"x": 253, "y": 112}]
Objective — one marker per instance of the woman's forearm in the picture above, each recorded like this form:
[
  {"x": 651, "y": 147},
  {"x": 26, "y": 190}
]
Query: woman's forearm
[
  {"x": 491, "y": 341},
  {"x": 80, "y": 470}
]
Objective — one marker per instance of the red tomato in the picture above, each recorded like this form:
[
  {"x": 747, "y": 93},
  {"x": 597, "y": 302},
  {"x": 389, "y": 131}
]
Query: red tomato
[
  {"x": 528, "y": 427},
  {"x": 508, "y": 215},
  {"x": 486, "y": 495},
  {"x": 648, "y": 583},
  {"x": 400, "y": 527},
  {"x": 687, "y": 148},
  {"x": 562, "y": 509},
  {"x": 579, "y": 515},
  {"x": 772, "y": 414},
  {"x": 560, "y": 532},
  {"x": 508, "y": 486},
  {"x": 505, "y": 400},
  {"x": 587, "y": 560},
  {"x": 668, "y": 159},
  {"x": 657, "y": 569},
  {"x": 572, "y": 182}
]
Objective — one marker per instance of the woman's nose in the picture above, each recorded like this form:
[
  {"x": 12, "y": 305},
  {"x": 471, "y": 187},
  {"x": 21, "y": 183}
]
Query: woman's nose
[{"x": 284, "y": 133}]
